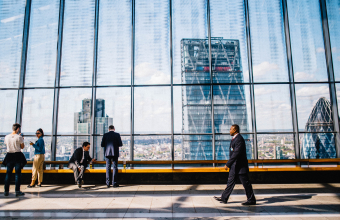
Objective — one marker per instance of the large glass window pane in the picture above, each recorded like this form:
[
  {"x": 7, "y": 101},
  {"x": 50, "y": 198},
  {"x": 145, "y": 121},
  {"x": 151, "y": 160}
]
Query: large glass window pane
[
  {"x": 124, "y": 151},
  {"x": 192, "y": 109},
  {"x": 152, "y": 43},
  {"x": 77, "y": 52},
  {"x": 11, "y": 29},
  {"x": 307, "y": 44},
  {"x": 232, "y": 106},
  {"x": 222, "y": 145},
  {"x": 66, "y": 145},
  {"x": 114, "y": 42},
  {"x": 273, "y": 108},
  {"x": 333, "y": 8},
  {"x": 37, "y": 111},
  {"x": 42, "y": 44},
  {"x": 8, "y": 109},
  {"x": 317, "y": 145},
  {"x": 193, "y": 147},
  {"x": 29, "y": 150},
  {"x": 152, "y": 147},
  {"x": 338, "y": 96},
  {"x": 229, "y": 55},
  {"x": 75, "y": 107},
  {"x": 268, "y": 41},
  {"x": 275, "y": 146},
  {"x": 113, "y": 108},
  {"x": 152, "y": 110},
  {"x": 3, "y": 148},
  {"x": 190, "y": 57},
  {"x": 314, "y": 108}
]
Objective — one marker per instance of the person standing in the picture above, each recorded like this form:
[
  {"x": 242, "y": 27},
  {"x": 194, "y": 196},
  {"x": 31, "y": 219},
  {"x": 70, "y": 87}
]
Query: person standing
[
  {"x": 14, "y": 158},
  {"x": 111, "y": 142},
  {"x": 78, "y": 162},
  {"x": 39, "y": 158},
  {"x": 238, "y": 165}
]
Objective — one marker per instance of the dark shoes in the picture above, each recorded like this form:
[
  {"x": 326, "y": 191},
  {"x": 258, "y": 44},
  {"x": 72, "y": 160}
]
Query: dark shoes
[
  {"x": 19, "y": 193},
  {"x": 79, "y": 184},
  {"x": 39, "y": 185},
  {"x": 107, "y": 186},
  {"x": 115, "y": 185},
  {"x": 29, "y": 186},
  {"x": 249, "y": 203},
  {"x": 220, "y": 199},
  {"x": 6, "y": 193}
]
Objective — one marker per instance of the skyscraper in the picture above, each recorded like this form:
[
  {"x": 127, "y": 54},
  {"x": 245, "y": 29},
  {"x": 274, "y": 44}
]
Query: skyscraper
[
  {"x": 320, "y": 144},
  {"x": 229, "y": 100}
]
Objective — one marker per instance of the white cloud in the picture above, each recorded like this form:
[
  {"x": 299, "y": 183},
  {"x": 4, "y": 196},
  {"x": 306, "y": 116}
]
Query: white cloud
[
  {"x": 264, "y": 68},
  {"x": 6, "y": 20},
  {"x": 146, "y": 71},
  {"x": 44, "y": 7},
  {"x": 313, "y": 91},
  {"x": 320, "y": 50},
  {"x": 263, "y": 91},
  {"x": 303, "y": 75},
  {"x": 28, "y": 100}
]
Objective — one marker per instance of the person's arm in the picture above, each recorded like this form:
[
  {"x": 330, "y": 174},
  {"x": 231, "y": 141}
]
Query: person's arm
[
  {"x": 39, "y": 144},
  {"x": 103, "y": 144},
  {"x": 236, "y": 154},
  {"x": 22, "y": 145},
  {"x": 120, "y": 141},
  {"x": 76, "y": 157}
]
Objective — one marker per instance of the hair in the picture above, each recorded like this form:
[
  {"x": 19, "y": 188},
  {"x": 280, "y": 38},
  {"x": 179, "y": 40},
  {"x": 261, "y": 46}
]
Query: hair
[
  {"x": 16, "y": 126},
  {"x": 111, "y": 127},
  {"x": 237, "y": 128},
  {"x": 86, "y": 144},
  {"x": 41, "y": 131}
]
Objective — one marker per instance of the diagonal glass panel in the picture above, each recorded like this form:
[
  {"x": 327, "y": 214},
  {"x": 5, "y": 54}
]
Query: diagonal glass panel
[
  {"x": 193, "y": 147},
  {"x": 317, "y": 145}
]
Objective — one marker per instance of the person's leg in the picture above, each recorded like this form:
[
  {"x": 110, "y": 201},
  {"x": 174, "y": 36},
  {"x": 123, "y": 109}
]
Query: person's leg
[
  {"x": 17, "y": 177},
  {"x": 41, "y": 168},
  {"x": 108, "y": 170},
  {"x": 81, "y": 173},
  {"x": 34, "y": 169},
  {"x": 230, "y": 186},
  {"x": 115, "y": 170},
  {"x": 75, "y": 171},
  {"x": 10, "y": 167},
  {"x": 248, "y": 187}
]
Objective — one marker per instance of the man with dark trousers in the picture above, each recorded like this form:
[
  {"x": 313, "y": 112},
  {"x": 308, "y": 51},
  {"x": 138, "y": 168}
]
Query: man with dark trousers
[
  {"x": 238, "y": 165},
  {"x": 79, "y": 161},
  {"x": 111, "y": 143}
]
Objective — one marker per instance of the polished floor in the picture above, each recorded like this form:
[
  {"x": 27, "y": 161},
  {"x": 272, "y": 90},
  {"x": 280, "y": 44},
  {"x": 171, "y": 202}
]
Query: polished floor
[{"x": 274, "y": 201}]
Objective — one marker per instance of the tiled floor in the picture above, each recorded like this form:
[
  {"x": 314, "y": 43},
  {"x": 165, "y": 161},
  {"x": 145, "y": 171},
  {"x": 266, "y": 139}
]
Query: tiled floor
[{"x": 274, "y": 201}]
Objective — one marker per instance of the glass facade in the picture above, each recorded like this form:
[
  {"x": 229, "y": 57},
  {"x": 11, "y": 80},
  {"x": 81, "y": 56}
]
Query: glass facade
[{"x": 172, "y": 76}]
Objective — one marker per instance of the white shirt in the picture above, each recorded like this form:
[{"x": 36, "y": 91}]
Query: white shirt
[
  {"x": 234, "y": 136},
  {"x": 13, "y": 142}
]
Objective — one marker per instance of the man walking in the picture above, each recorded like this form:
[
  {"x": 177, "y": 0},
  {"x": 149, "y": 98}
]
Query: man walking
[
  {"x": 111, "y": 142},
  {"x": 238, "y": 165}
]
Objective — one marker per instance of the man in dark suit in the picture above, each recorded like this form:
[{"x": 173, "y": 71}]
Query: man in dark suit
[
  {"x": 79, "y": 161},
  {"x": 238, "y": 165},
  {"x": 111, "y": 143}
]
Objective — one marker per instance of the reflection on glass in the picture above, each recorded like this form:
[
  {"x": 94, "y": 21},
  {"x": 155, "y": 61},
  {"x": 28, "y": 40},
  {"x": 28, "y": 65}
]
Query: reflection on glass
[
  {"x": 77, "y": 52},
  {"x": 189, "y": 21},
  {"x": 74, "y": 115},
  {"x": 3, "y": 148},
  {"x": 222, "y": 145},
  {"x": 317, "y": 145},
  {"x": 275, "y": 146},
  {"x": 66, "y": 145},
  {"x": 152, "y": 147},
  {"x": 227, "y": 20},
  {"x": 192, "y": 109},
  {"x": 114, "y": 42},
  {"x": 333, "y": 8},
  {"x": 193, "y": 147},
  {"x": 152, "y": 110},
  {"x": 114, "y": 105},
  {"x": 124, "y": 151},
  {"x": 29, "y": 150},
  {"x": 267, "y": 41},
  {"x": 152, "y": 42},
  {"x": 273, "y": 108},
  {"x": 37, "y": 111},
  {"x": 313, "y": 106},
  {"x": 42, "y": 44},
  {"x": 232, "y": 106},
  {"x": 11, "y": 26},
  {"x": 8, "y": 108},
  {"x": 307, "y": 44}
]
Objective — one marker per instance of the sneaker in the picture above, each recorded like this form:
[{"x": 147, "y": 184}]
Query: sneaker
[
  {"x": 19, "y": 193},
  {"x": 6, "y": 193}
]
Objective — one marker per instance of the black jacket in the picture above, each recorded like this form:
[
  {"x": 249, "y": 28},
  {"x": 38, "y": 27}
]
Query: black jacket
[
  {"x": 238, "y": 162},
  {"x": 78, "y": 155},
  {"x": 111, "y": 142}
]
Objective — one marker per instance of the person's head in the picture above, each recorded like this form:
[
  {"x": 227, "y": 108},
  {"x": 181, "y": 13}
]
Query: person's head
[
  {"x": 111, "y": 128},
  {"x": 234, "y": 129},
  {"x": 39, "y": 133},
  {"x": 86, "y": 146},
  {"x": 16, "y": 127}
]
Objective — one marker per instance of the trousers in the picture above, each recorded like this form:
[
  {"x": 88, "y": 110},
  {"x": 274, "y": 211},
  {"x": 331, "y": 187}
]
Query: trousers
[
  {"x": 246, "y": 184},
  {"x": 114, "y": 161},
  {"x": 10, "y": 167},
  {"x": 38, "y": 167},
  {"x": 78, "y": 175}
]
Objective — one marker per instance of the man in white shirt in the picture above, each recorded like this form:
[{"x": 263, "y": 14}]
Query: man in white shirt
[{"x": 14, "y": 143}]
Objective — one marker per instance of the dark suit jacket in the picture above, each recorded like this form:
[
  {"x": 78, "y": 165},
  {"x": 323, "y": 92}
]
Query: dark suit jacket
[
  {"x": 78, "y": 155},
  {"x": 111, "y": 142},
  {"x": 238, "y": 162}
]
